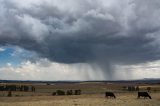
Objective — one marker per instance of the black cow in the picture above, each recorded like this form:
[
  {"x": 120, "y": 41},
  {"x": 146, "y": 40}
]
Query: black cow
[
  {"x": 144, "y": 94},
  {"x": 54, "y": 93},
  {"x": 110, "y": 94}
]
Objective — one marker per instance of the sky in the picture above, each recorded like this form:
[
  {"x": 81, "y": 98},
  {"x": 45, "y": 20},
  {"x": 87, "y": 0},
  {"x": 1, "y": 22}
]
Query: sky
[{"x": 79, "y": 39}]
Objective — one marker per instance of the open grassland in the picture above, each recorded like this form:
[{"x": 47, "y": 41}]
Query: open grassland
[
  {"x": 93, "y": 94},
  {"x": 123, "y": 99}
]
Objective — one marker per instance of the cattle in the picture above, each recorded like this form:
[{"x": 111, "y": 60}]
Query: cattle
[
  {"x": 110, "y": 94},
  {"x": 54, "y": 93},
  {"x": 144, "y": 94}
]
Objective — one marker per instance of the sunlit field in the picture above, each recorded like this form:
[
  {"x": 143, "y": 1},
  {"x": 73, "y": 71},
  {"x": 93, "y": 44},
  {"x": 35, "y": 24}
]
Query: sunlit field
[
  {"x": 124, "y": 99},
  {"x": 93, "y": 94}
]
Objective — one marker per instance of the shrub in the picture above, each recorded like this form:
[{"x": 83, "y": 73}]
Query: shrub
[
  {"x": 60, "y": 92},
  {"x": 78, "y": 92},
  {"x": 69, "y": 92}
]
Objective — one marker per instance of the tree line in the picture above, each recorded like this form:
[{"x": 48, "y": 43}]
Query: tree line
[{"x": 17, "y": 88}]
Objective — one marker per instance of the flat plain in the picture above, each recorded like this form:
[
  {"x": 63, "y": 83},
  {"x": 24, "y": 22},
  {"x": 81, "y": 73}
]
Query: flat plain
[{"x": 93, "y": 94}]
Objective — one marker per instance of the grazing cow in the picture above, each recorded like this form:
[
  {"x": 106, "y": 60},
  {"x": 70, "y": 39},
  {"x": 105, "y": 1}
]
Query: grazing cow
[
  {"x": 54, "y": 93},
  {"x": 110, "y": 94},
  {"x": 144, "y": 94}
]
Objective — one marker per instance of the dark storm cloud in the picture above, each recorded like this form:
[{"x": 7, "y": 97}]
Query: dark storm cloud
[{"x": 76, "y": 31}]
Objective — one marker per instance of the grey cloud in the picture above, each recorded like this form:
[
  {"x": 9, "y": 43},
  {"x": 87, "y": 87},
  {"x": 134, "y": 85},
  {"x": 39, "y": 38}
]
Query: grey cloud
[{"x": 84, "y": 30}]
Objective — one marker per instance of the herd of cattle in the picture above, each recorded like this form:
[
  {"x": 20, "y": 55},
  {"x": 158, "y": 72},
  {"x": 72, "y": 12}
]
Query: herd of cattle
[
  {"x": 61, "y": 92},
  {"x": 140, "y": 94},
  {"x": 107, "y": 94}
]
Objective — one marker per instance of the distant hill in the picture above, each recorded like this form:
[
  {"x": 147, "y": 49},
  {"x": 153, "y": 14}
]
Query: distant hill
[{"x": 145, "y": 80}]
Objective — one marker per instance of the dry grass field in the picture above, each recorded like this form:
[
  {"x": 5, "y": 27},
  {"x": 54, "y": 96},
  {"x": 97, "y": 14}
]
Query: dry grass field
[
  {"x": 92, "y": 95},
  {"x": 126, "y": 99}
]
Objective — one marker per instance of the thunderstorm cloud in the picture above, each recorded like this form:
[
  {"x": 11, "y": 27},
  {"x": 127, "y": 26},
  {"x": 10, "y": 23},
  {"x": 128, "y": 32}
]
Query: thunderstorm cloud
[{"x": 105, "y": 32}]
